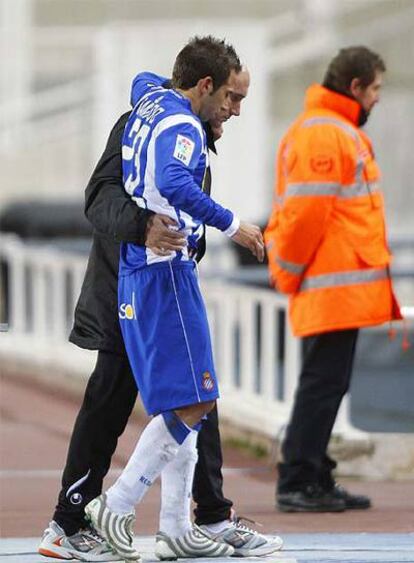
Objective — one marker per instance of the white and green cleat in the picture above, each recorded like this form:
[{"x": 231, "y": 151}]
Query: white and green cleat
[
  {"x": 194, "y": 543},
  {"x": 117, "y": 529}
]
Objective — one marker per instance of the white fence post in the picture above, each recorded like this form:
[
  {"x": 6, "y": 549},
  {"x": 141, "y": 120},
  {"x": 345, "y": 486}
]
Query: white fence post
[
  {"x": 292, "y": 363},
  {"x": 59, "y": 288},
  {"x": 17, "y": 294},
  {"x": 226, "y": 341},
  {"x": 270, "y": 350},
  {"x": 39, "y": 298},
  {"x": 248, "y": 343}
]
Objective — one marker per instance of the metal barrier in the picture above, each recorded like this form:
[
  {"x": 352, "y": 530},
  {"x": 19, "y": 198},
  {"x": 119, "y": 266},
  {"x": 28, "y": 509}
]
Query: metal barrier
[{"x": 256, "y": 356}]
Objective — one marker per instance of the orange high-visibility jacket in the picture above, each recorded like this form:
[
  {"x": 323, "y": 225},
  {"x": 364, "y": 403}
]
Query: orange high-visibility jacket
[{"x": 326, "y": 239}]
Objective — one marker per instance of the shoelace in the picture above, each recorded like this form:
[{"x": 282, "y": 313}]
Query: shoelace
[
  {"x": 97, "y": 537},
  {"x": 91, "y": 532},
  {"x": 239, "y": 526},
  {"x": 315, "y": 490}
]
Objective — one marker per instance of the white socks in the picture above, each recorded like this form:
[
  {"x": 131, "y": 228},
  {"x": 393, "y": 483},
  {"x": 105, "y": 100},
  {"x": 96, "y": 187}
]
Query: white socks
[
  {"x": 157, "y": 452},
  {"x": 155, "y": 449},
  {"x": 176, "y": 487}
]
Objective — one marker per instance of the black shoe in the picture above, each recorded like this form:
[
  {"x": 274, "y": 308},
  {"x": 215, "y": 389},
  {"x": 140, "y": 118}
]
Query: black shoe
[
  {"x": 310, "y": 499},
  {"x": 352, "y": 502}
]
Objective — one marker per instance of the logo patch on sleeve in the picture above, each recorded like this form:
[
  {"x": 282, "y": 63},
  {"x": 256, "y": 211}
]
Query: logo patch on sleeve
[{"x": 184, "y": 148}]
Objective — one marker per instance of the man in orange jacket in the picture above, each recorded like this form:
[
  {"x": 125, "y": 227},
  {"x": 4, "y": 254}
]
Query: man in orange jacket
[{"x": 327, "y": 249}]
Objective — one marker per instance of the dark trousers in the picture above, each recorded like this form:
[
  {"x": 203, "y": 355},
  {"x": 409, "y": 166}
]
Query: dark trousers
[
  {"x": 108, "y": 402},
  {"x": 325, "y": 378}
]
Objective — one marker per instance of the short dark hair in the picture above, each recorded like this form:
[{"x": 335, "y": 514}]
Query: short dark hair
[
  {"x": 201, "y": 57},
  {"x": 353, "y": 62}
]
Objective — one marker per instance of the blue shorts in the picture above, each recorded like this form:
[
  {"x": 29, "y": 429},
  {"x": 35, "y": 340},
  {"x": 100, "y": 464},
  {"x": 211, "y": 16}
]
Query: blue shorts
[{"x": 165, "y": 329}]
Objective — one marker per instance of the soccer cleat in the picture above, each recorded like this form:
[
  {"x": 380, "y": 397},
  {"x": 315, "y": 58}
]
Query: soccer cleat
[
  {"x": 245, "y": 541},
  {"x": 194, "y": 543},
  {"x": 85, "y": 545},
  {"x": 117, "y": 529}
]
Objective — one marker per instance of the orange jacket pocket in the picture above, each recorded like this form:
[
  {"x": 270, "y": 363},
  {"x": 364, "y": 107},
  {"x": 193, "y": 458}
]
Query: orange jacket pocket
[{"x": 373, "y": 255}]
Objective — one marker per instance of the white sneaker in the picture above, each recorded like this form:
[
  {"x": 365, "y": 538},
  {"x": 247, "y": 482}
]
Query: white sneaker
[
  {"x": 117, "y": 529},
  {"x": 85, "y": 545},
  {"x": 245, "y": 541},
  {"x": 195, "y": 543}
]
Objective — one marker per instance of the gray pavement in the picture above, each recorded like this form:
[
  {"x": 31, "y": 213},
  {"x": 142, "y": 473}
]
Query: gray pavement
[
  {"x": 36, "y": 423},
  {"x": 298, "y": 548}
]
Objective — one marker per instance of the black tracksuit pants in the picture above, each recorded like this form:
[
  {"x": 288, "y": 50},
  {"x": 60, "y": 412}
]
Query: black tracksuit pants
[
  {"x": 109, "y": 398},
  {"x": 324, "y": 380}
]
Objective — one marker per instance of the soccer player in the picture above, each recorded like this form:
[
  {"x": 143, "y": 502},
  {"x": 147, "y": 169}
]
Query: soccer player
[{"x": 162, "y": 314}]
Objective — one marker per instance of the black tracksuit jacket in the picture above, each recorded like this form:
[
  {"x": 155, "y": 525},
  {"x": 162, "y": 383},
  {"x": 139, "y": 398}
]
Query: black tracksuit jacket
[{"x": 115, "y": 218}]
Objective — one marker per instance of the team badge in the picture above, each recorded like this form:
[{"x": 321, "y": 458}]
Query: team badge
[
  {"x": 184, "y": 148},
  {"x": 207, "y": 383}
]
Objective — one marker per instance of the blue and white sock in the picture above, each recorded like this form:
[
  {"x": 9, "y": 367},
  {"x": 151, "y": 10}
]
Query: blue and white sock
[
  {"x": 176, "y": 486},
  {"x": 156, "y": 447}
]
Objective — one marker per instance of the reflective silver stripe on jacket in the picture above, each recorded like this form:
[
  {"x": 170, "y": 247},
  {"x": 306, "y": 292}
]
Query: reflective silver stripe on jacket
[
  {"x": 313, "y": 188},
  {"x": 359, "y": 171},
  {"x": 321, "y": 120},
  {"x": 331, "y": 188},
  {"x": 358, "y": 190},
  {"x": 291, "y": 267},
  {"x": 344, "y": 278}
]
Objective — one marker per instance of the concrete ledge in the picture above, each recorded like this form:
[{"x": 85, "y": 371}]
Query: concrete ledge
[{"x": 366, "y": 456}]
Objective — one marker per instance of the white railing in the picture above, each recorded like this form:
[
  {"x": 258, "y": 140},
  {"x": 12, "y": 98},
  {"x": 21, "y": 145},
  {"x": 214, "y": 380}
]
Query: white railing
[
  {"x": 40, "y": 288},
  {"x": 256, "y": 356}
]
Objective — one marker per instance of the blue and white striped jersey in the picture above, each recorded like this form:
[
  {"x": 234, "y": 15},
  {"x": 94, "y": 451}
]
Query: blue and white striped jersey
[{"x": 164, "y": 159}]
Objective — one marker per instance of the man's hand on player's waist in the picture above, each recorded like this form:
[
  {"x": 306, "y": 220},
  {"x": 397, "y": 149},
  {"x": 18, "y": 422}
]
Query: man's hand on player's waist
[{"x": 160, "y": 238}]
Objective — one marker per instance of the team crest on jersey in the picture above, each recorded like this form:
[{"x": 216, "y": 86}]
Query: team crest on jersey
[
  {"x": 184, "y": 148},
  {"x": 207, "y": 383}
]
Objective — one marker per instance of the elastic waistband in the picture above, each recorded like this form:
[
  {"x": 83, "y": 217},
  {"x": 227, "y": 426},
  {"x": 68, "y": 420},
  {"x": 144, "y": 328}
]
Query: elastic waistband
[{"x": 166, "y": 265}]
